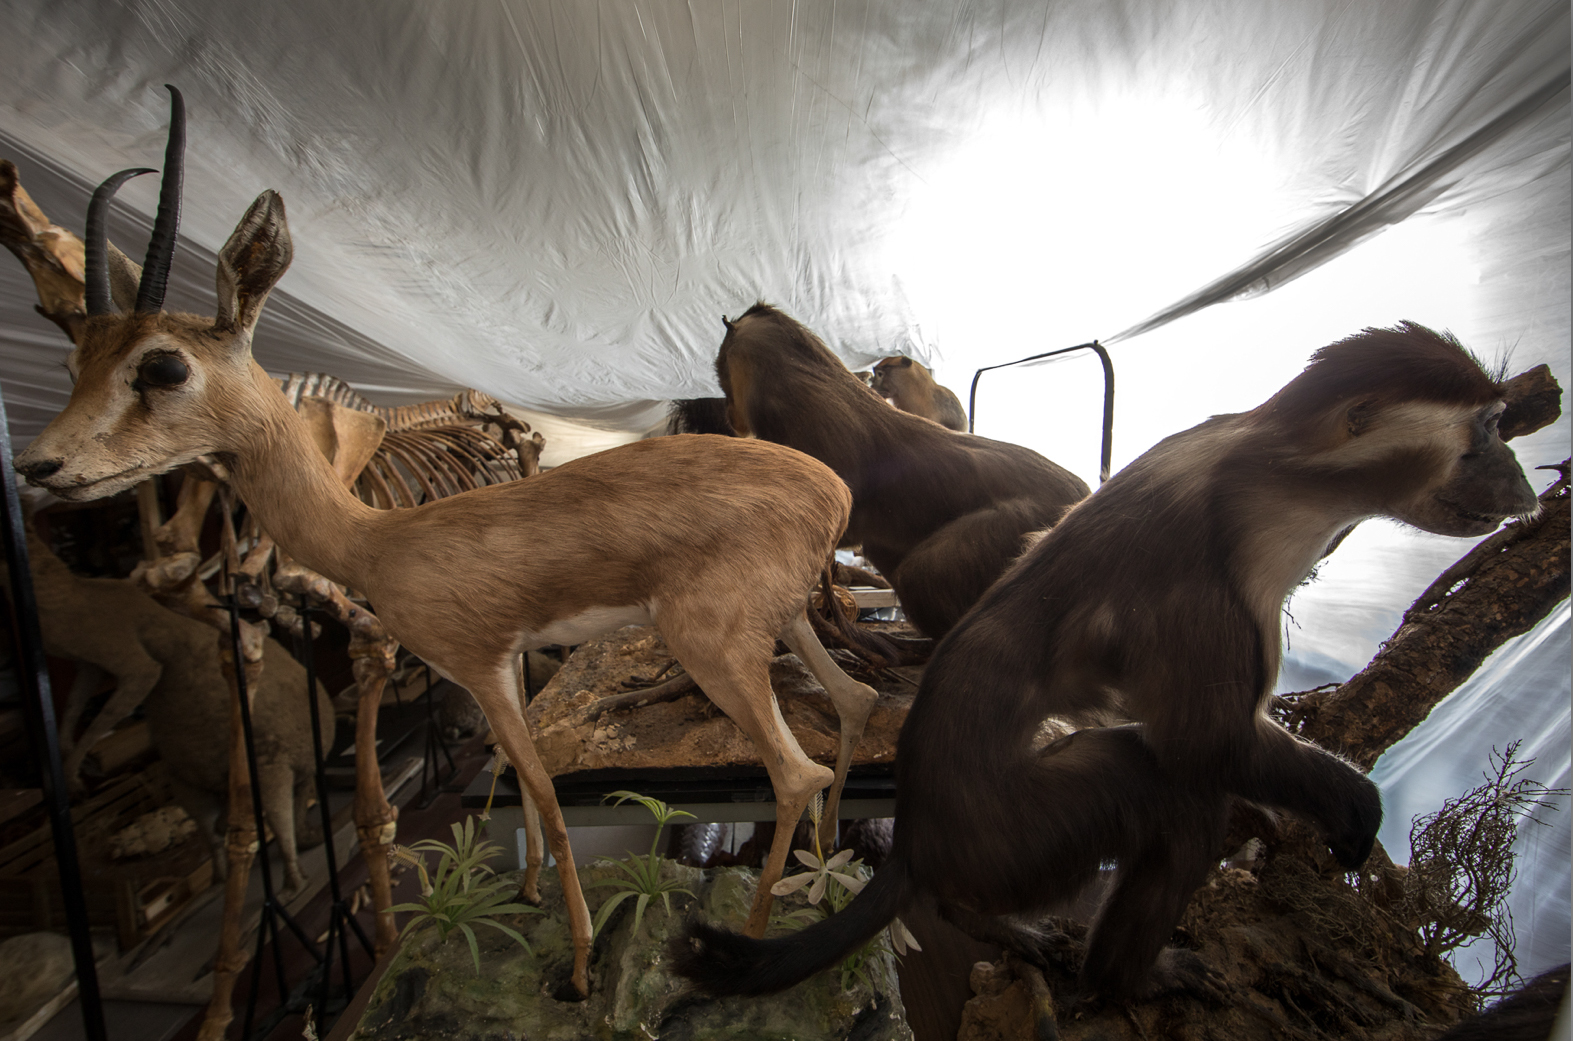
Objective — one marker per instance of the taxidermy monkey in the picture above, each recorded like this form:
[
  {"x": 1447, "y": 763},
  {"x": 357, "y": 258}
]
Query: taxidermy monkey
[
  {"x": 910, "y": 386},
  {"x": 940, "y": 514},
  {"x": 1159, "y": 600}
]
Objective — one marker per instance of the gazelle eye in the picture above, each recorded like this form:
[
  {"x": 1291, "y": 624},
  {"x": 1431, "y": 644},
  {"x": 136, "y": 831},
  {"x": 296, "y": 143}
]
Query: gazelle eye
[{"x": 163, "y": 370}]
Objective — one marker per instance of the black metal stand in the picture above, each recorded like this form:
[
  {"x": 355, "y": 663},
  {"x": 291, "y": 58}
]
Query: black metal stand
[
  {"x": 340, "y": 921},
  {"x": 38, "y": 710},
  {"x": 1106, "y": 453},
  {"x": 434, "y": 744},
  {"x": 273, "y": 913}
]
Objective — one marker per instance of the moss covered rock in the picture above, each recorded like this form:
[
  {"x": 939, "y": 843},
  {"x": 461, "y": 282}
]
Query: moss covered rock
[{"x": 433, "y": 991}]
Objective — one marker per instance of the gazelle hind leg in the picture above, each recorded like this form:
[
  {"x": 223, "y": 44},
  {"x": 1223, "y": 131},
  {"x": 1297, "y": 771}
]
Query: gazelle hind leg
[
  {"x": 498, "y": 696},
  {"x": 737, "y": 680},
  {"x": 854, "y": 703}
]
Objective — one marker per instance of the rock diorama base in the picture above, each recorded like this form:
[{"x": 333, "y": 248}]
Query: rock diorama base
[
  {"x": 432, "y": 990},
  {"x": 1292, "y": 951},
  {"x": 572, "y": 734}
]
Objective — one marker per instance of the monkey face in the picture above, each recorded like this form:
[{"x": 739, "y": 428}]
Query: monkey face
[
  {"x": 1483, "y": 485},
  {"x": 887, "y": 374}
]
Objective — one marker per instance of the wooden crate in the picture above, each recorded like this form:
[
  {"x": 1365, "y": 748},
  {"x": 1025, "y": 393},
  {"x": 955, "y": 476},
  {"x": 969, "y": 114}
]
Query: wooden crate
[{"x": 133, "y": 898}]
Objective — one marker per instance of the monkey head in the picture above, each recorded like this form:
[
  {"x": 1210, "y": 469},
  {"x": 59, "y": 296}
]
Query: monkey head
[
  {"x": 1477, "y": 483},
  {"x": 1404, "y": 421},
  {"x": 885, "y": 379}
]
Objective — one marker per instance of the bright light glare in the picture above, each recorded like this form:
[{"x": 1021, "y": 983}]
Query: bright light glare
[{"x": 1058, "y": 227}]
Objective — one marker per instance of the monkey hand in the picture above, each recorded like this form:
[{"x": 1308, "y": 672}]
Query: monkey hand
[
  {"x": 1352, "y": 835},
  {"x": 1178, "y": 969}
]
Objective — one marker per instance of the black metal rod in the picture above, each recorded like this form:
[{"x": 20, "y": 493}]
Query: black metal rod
[
  {"x": 251, "y": 748},
  {"x": 1106, "y": 450},
  {"x": 338, "y": 910},
  {"x": 272, "y": 911},
  {"x": 38, "y": 711}
]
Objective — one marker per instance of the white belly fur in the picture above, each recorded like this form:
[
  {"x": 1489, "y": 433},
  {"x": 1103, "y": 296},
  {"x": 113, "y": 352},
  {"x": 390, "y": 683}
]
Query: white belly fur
[{"x": 586, "y": 624}]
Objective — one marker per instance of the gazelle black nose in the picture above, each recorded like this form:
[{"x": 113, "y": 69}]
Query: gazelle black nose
[{"x": 41, "y": 469}]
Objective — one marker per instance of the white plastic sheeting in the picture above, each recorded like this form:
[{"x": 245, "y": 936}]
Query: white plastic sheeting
[
  {"x": 1451, "y": 752},
  {"x": 555, "y": 202}
]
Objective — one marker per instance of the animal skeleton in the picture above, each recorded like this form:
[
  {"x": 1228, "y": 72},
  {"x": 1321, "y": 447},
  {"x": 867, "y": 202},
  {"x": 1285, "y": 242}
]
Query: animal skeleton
[{"x": 442, "y": 446}]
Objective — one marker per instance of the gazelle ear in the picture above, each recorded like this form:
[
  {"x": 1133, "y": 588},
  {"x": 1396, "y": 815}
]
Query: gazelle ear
[
  {"x": 251, "y": 263},
  {"x": 125, "y": 276}
]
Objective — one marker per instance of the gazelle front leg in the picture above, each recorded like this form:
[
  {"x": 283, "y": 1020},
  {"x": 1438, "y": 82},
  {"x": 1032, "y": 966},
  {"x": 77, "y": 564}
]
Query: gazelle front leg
[
  {"x": 499, "y": 699},
  {"x": 738, "y": 682},
  {"x": 530, "y": 890},
  {"x": 854, "y": 703},
  {"x": 533, "y": 855}
]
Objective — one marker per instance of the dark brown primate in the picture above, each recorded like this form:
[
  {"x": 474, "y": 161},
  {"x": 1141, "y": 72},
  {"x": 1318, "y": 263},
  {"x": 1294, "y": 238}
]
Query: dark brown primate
[
  {"x": 1158, "y": 600},
  {"x": 698, "y": 416},
  {"x": 940, "y": 514},
  {"x": 910, "y": 387}
]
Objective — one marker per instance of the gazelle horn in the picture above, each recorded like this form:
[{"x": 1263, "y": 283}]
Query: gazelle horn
[
  {"x": 161, "y": 247},
  {"x": 95, "y": 261}
]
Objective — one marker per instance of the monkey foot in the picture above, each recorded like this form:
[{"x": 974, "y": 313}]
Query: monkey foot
[
  {"x": 1041, "y": 943},
  {"x": 1044, "y": 1025},
  {"x": 1185, "y": 971}
]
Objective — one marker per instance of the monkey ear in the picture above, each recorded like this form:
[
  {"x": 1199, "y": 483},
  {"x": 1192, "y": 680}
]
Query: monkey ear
[
  {"x": 1360, "y": 416},
  {"x": 726, "y": 323},
  {"x": 905, "y": 362}
]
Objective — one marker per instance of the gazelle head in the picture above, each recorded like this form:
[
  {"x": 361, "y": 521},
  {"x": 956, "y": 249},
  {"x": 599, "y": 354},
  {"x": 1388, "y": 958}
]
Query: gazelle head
[{"x": 152, "y": 390}]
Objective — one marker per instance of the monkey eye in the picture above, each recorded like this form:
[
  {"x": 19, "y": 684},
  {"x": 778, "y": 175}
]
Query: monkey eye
[{"x": 163, "y": 370}]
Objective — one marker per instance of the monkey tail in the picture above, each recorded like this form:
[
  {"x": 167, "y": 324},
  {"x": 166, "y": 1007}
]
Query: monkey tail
[
  {"x": 880, "y": 651},
  {"x": 721, "y": 962}
]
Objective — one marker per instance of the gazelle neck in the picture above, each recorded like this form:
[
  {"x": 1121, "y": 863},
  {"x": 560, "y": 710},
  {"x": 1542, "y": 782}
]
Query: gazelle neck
[{"x": 282, "y": 477}]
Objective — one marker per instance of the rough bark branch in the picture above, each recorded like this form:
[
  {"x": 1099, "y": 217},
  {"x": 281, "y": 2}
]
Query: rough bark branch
[
  {"x": 1500, "y": 589},
  {"x": 1533, "y": 401}
]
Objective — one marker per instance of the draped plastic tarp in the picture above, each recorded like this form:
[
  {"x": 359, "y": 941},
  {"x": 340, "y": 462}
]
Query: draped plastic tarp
[
  {"x": 1451, "y": 752},
  {"x": 556, "y": 202}
]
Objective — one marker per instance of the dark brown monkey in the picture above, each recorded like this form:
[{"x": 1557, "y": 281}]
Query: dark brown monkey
[
  {"x": 910, "y": 387},
  {"x": 698, "y": 416},
  {"x": 1159, "y": 599},
  {"x": 940, "y": 514}
]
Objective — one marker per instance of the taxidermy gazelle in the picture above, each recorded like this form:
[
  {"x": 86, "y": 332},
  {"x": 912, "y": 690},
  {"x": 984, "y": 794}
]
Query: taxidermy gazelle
[
  {"x": 715, "y": 540},
  {"x": 1159, "y": 600}
]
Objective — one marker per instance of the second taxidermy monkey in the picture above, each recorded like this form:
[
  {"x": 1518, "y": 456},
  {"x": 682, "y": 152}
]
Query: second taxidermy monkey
[
  {"x": 910, "y": 387},
  {"x": 1158, "y": 600}
]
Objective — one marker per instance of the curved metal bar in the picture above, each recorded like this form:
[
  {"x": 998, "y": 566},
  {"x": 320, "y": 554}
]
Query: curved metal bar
[
  {"x": 95, "y": 242},
  {"x": 1107, "y": 449},
  {"x": 166, "y": 226}
]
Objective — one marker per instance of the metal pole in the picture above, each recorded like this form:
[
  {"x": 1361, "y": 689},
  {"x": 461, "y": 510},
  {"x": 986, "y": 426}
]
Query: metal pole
[
  {"x": 1106, "y": 451},
  {"x": 39, "y": 711}
]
